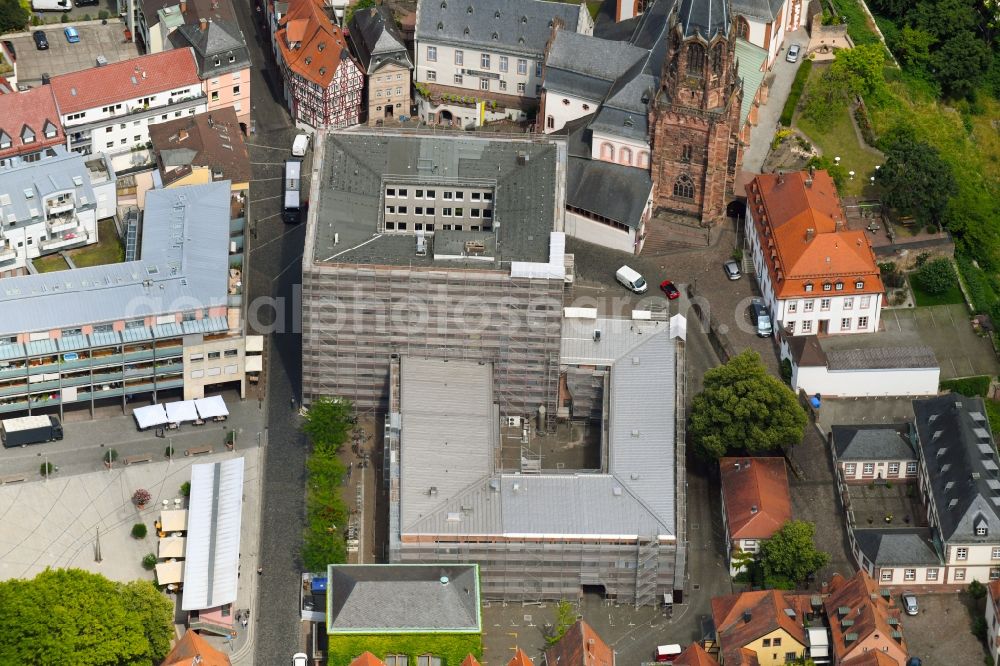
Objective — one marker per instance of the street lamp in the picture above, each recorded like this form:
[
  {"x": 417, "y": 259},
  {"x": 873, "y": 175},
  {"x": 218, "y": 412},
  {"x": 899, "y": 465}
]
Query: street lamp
[
  {"x": 872, "y": 179},
  {"x": 851, "y": 174},
  {"x": 836, "y": 161}
]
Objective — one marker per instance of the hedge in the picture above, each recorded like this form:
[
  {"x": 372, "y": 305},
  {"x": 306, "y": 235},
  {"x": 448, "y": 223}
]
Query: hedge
[
  {"x": 451, "y": 648},
  {"x": 798, "y": 85},
  {"x": 969, "y": 386},
  {"x": 977, "y": 281}
]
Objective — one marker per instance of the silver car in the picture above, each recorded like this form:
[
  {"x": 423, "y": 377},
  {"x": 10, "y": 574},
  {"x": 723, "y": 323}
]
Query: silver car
[
  {"x": 793, "y": 53},
  {"x": 910, "y": 603},
  {"x": 732, "y": 269}
]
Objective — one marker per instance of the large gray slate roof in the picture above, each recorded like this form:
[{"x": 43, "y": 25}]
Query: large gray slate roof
[
  {"x": 376, "y": 39},
  {"x": 961, "y": 459},
  {"x": 704, "y": 18},
  {"x": 520, "y": 26},
  {"x": 184, "y": 265},
  {"x": 873, "y": 442},
  {"x": 898, "y": 547},
  {"x": 221, "y": 38},
  {"x": 635, "y": 497},
  {"x": 764, "y": 10},
  {"x": 356, "y": 163},
  {"x": 881, "y": 358},
  {"x": 403, "y": 598},
  {"x": 589, "y": 59}
]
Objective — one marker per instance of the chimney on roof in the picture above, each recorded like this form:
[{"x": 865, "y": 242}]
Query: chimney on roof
[
  {"x": 810, "y": 234},
  {"x": 202, "y": 25},
  {"x": 754, "y": 509},
  {"x": 781, "y": 178},
  {"x": 184, "y": 6},
  {"x": 747, "y": 616},
  {"x": 809, "y": 178}
]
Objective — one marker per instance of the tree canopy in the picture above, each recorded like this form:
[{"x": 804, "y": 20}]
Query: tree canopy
[
  {"x": 328, "y": 422},
  {"x": 77, "y": 618},
  {"x": 13, "y": 16},
  {"x": 790, "y": 555},
  {"x": 742, "y": 408},
  {"x": 915, "y": 179}
]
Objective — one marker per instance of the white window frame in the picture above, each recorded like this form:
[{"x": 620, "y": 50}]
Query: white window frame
[
  {"x": 886, "y": 575},
  {"x": 459, "y": 57},
  {"x": 961, "y": 554},
  {"x": 503, "y": 65},
  {"x": 522, "y": 66},
  {"x": 432, "y": 54},
  {"x": 909, "y": 575},
  {"x": 484, "y": 60}
]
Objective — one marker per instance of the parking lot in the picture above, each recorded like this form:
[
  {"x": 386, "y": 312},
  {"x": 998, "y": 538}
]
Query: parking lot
[
  {"x": 942, "y": 632},
  {"x": 948, "y": 331},
  {"x": 63, "y": 57}
]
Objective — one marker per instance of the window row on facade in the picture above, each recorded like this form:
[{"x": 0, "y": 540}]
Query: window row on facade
[{"x": 807, "y": 326}]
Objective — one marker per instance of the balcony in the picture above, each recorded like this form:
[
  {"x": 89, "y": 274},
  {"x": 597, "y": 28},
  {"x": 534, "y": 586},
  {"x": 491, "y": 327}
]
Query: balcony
[
  {"x": 57, "y": 224},
  {"x": 56, "y": 206},
  {"x": 7, "y": 253},
  {"x": 77, "y": 237}
]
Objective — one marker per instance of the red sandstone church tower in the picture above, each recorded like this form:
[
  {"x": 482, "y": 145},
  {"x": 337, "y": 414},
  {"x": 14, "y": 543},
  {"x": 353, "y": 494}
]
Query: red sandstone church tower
[{"x": 694, "y": 119}]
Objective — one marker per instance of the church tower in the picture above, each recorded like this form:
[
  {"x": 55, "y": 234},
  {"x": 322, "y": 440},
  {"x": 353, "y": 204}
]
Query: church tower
[{"x": 695, "y": 116}]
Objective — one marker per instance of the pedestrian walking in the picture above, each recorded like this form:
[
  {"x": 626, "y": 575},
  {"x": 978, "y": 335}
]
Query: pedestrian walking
[{"x": 260, "y": 570}]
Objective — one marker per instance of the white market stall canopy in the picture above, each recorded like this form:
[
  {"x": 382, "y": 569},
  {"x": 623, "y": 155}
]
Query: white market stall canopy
[
  {"x": 170, "y": 547},
  {"x": 211, "y": 407},
  {"x": 173, "y": 520},
  {"x": 169, "y": 572},
  {"x": 149, "y": 417},
  {"x": 179, "y": 412},
  {"x": 213, "y": 537}
]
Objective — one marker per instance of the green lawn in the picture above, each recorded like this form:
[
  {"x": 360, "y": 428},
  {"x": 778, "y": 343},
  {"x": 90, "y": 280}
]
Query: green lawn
[
  {"x": 951, "y": 297},
  {"x": 840, "y": 140},
  {"x": 50, "y": 263},
  {"x": 108, "y": 251}
]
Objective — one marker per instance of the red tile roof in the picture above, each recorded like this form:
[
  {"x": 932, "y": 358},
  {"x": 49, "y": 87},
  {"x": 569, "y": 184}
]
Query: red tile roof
[
  {"x": 866, "y": 614},
  {"x": 695, "y": 655},
  {"x": 755, "y": 496},
  {"x": 580, "y": 646},
  {"x": 367, "y": 659},
  {"x": 872, "y": 658},
  {"x": 520, "y": 659},
  {"x": 128, "y": 79},
  {"x": 741, "y": 619},
  {"x": 470, "y": 661},
  {"x": 33, "y": 108},
  {"x": 193, "y": 650},
  {"x": 802, "y": 230},
  {"x": 311, "y": 45}
]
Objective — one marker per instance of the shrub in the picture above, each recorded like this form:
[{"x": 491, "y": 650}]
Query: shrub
[
  {"x": 969, "y": 386},
  {"x": 139, "y": 531},
  {"x": 110, "y": 456},
  {"x": 977, "y": 590},
  {"x": 103, "y": 15},
  {"x": 979, "y": 629},
  {"x": 149, "y": 561},
  {"x": 936, "y": 276},
  {"x": 46, "y": 469},
  {"x": 168, "y": 452},
  {"x": 786, "y": 371},
  {"x": 798, "y": 85},
  {"x": 64, "y": 18},
  {"x": 141, "y": 497},
  {"x": 86, "y": 17},
  {"x": 186, "y": 489},
  {"x": 981, "y": 290}
]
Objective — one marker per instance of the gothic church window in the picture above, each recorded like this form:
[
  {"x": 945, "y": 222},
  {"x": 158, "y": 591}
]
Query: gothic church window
[
  {"x": 695, "y": 59},
  {"x": 684, "y": 187},
  {"x": 742, "y": 28},
  {"x": 717, "y": 55}
]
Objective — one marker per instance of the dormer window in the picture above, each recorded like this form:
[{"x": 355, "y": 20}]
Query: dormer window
[
  {"x": 860, "y": 284},
  {"x": 496, "y": 14},
  {"x": 827, "y": 286},
  {"x": 809, "y": 286},
  {"x": 524, "y": 20},
  {"x": 218, "y": 61},
  {"x": 4, "y": 141},
  {"x": 444, "y": 5},
  {"x": 469, "y": 10},
  {"x": 27, "y": 135},
  {"x": 981, "y": 530},
  {"x": 839, "y": 286},
  {"x": 232, "y": 57},
  {"x": 49, "y": 130}
]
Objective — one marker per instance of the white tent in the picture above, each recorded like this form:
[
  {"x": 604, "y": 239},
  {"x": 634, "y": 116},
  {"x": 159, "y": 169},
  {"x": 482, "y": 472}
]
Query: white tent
[
  {"x": 211, "y": 407},
  {"x": 148, "y": 417},
  {"x": 178, "y": 412}
]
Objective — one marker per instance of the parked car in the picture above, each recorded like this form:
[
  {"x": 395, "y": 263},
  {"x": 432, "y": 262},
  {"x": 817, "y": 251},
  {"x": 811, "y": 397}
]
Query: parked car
[
  {"x": 300, "y": 145},
  {"x": 760, "y": 318},
  {"x": 793, "y": 53},
  {"x": 72, "y": 36},
  {"x": 910, "y": 603},
  {"x": 300, "y": 659},
  {"x": 41, "y": 41},
  {"x": 631, "y": 280},
  {"x": 668, "y": 288},
  {"x": 87, "y": 3},
  {"x": 732, "y": 269}
]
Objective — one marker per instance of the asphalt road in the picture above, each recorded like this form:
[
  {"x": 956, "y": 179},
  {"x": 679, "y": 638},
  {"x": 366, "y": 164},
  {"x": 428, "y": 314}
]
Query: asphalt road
[{"x": 274, "y": 272}]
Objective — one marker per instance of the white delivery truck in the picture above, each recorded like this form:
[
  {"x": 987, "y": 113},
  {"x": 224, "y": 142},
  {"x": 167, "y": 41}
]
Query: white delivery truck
[
  {"x": 300, "y": 145},
  {"x": 51, "y": 5},
  {"x": 631, "y": 280}
]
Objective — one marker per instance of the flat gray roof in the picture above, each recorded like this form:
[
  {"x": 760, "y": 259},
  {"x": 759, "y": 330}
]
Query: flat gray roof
[
  {"x": 184, "y": 265},
  {"x": 403, "y": 598},
  {"x": 618, "y": 336},
  {"x": 357, "y": 163},
  {"x": 27, "y": 183},
  {"x": 635, "y": 498}
]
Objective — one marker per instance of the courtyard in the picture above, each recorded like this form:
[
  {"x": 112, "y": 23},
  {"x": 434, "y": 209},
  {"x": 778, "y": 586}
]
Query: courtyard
[{"x": 107, "y": 250}]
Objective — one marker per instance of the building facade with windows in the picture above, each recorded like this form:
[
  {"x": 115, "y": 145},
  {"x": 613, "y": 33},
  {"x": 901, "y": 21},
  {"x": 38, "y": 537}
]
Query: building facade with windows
[
  {"x": 755, "y": 504},
  {"x": 323, "y": 85},
  {"x": 959, "y": 481},
  {"x": 162, "y": 325},
  {"x": 478, "y": 61},
  {"x": 765, "y": 627},
  {"x": 223, "y": 60},
  {"x": 30, "y": 124},
  {"x": 109, "y": 109},
  {"x": 51, "y": 201},
  {"x": 381, "y": 50},
  {"x": 817, "y": 276},
  {"x": 875, "y": 453}
]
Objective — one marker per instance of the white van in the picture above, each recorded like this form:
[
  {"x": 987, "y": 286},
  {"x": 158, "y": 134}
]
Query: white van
[
  {"x": 631, "y": 280},
  {"x": 300, "y": 145}
]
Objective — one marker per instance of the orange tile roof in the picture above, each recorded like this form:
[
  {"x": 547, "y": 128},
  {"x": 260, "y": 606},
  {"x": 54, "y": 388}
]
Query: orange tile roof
[
  {"x": 367, "y": 659},
  {"x": 867, "y": 612},
  {"x": 470, "y": 661},
  {"x": 193, "y": 650},
  {"x": 695, "y": 655},
  {"x": 33, "y": 108},
  {"x": 766, "y": 610},
  {"x": 755, "y": 496},
  {"x": 311, "y": 45},
  {"x": 125, "y": 80},
  {"x": 520, "y": 659},
  {"x": 872, "y": 658},
  {"x": 580, "y": 646},
  {"x": 802, "y": 229}
]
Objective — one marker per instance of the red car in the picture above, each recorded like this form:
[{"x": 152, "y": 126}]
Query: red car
[{"x": 668, "y": 288}]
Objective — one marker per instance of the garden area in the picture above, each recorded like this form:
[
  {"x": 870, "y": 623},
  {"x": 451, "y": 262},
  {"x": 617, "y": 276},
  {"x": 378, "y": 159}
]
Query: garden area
[{"x": 108, "y": 250}]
